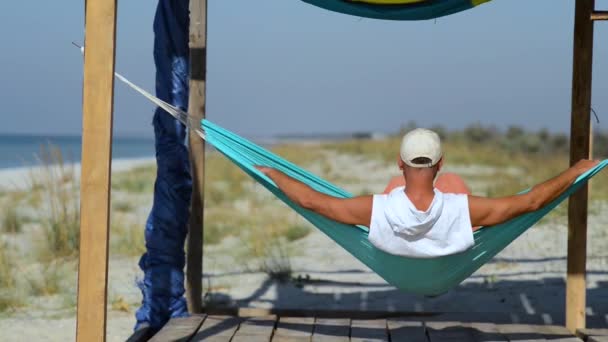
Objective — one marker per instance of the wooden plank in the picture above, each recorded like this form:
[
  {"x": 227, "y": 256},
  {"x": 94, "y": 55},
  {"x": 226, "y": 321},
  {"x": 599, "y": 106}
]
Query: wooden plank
[
  {"x": 142, "y": 334},
  {"x": 448, "y": 332},
  {"x": 217, "y": 329},
  {"x": 593, "y": 335},
  {"x": 580, "y": 133},
  {"x": 98, "y": 98},
  {"x": 521, "y": 332},
  {"x": 294, "y": 329},
  {"x": 351, "y": 314},
  {"x": 592, "y": 332},
  {"x": 196, "y": 108},
  {"x": 255, "y": 329},
  {"x": 179, "y": 329},
  {"x": 403, "y": 329},
  {"x": 557, "y": 333},
  {"x": 331, "y": 330},
  {"x": 597, "y": 339},
  {"x": 368, "y": 330},
  {"x": 486, "y": 332},
  {"x": 599, "y": 15}
]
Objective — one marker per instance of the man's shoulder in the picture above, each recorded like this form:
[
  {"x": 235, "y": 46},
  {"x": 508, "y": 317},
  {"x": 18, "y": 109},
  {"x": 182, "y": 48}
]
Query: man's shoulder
[{"x": 452, "y": 198}]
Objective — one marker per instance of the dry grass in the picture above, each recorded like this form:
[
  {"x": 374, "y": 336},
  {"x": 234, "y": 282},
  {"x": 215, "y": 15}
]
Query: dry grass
[
  {"x": 276, "y": 262},
  {"x": 126, "y": 238},
  {"x": 6, "y": 266},
  {"x": 12, "y": 222},
  {"x": 119, "y": 303},
  {"x": 52, "y": 278},
  {"x": 123, "y": 206},
  {"x": 138, "y": 180},
  {"x": 296, "y": 231},
  {"x": 223, "y": 181},
  {"x": 57, "y": 184},
  {"x": 10, "y": 296}
]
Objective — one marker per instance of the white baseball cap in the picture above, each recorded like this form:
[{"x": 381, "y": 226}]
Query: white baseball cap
[{"x": 420, "y": 143}]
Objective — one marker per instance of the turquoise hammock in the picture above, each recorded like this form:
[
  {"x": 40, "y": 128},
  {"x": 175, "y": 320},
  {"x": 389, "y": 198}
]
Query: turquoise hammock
[
  {"x": 429, "y": 9},
  {"x": 429, "y": 277},
  {"x": 422, "y": 276}
]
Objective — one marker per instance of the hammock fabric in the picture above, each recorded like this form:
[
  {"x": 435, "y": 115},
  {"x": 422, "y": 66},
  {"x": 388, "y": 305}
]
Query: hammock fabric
[
  {"x": 422, "y": 276},
  {"x": 429, "y": 277},
  {"x": 397, "y": 10}
]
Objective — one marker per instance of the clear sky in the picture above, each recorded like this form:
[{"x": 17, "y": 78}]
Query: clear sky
[{"x": 283, "y": 66}]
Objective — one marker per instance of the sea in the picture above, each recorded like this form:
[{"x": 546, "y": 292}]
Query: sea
[{"x": 27, "y": 150}]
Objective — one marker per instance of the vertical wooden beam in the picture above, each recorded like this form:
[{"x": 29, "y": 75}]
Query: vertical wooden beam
[
  {"x": 196, "y": 108},
  {"x": 579, "y": 148},
  {"x": 98, "y": 97}
]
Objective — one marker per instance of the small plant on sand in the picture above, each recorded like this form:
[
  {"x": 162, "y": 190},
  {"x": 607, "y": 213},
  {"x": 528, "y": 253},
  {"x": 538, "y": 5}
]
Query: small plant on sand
[
  {"x": 126, "y": 239},
  {"x": 265, "y": 250},
  {"x": 11, "y": 221},
  {"x": 222, "y": 221},
  {"x": 138, "y": 180},
  {"x": 213, "y": 234},
  {"x": 51, "y": 278},
  {"x": 10, "y": 295},
  {"x": 120, "y": 304},
  {"x": 123, "y": 206},
  {"x": 296, "y": 231},
  {"x": 6, "y": 267},
  {"x": 60, "y": 214},
  {"x": 276, "y": 262}
]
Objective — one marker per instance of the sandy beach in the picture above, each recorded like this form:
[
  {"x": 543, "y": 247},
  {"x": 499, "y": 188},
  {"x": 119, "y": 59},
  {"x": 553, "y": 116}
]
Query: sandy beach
[
  {"x": 525, "y": 281},
  {"x": 16, "y": 178}
]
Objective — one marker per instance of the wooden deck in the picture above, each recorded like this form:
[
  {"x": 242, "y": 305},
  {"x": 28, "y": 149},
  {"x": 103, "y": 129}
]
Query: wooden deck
[{"x": 433, "y": 328}]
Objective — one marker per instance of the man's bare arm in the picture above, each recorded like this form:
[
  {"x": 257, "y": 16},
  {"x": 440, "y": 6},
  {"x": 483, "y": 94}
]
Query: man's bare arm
[
  {"x": 357, "y": 210},
  {"x": 491, "y": 211}
]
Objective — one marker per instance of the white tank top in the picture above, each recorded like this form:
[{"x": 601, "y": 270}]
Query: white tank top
[{"x": 397, "y": 227}]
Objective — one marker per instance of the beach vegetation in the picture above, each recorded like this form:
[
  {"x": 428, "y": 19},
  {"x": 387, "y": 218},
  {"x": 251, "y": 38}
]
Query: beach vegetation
[
  {"x": 139, "y": 180},
  {"x": 57, "y": 183},
  {"x": 126, "y": 238},
  {"x": 12, "y": 222},
  {"x": 296, "y": 232},
  {"x": 51, "y": 278},
  {"x": 10, "y": 295},
  {"x": 123, "y": 205},
  {"x": 275, "y": 261},
  {"x": 119, "y": 303}
]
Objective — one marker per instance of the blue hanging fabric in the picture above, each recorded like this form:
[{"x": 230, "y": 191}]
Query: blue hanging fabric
[{"x": 167, "y": 224}]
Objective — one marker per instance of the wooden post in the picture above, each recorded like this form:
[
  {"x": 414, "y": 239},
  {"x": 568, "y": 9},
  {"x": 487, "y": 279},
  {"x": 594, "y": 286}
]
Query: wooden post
[
  {"x": 579, "y": 148},
  {"x": 196, "y": 108},
  {"x": 98, "y": 96}
]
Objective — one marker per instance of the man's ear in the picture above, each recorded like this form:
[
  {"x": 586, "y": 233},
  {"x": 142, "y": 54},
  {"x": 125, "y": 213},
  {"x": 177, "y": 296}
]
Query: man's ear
[
  {"x": 400, "y": 163},
  {"x": 439, "y": 164}
]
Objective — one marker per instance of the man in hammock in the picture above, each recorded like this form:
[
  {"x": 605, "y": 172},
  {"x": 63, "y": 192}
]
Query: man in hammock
[{"x": 419, "y": 220}]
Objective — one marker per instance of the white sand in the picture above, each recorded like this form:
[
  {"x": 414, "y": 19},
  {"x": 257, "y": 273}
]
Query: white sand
[{"x": 16, "y": 178}]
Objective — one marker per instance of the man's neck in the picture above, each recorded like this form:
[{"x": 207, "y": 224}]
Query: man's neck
[{"x": 420, "y": 192}]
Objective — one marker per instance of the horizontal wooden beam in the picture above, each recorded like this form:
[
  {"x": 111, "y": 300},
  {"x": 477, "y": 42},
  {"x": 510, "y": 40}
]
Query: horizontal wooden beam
[{"x": 599, "y": 15}]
